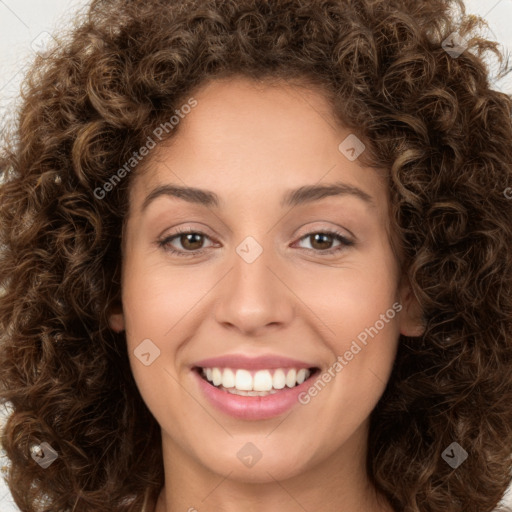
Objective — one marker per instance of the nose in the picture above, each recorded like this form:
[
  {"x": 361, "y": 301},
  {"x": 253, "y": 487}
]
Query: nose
[{"x": 254, "y": 296}]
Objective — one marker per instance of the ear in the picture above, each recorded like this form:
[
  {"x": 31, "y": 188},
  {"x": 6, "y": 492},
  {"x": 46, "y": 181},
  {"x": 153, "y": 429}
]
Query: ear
[
  {"x": 411, "y": 317},
  {"x": 116, "y": 318}
]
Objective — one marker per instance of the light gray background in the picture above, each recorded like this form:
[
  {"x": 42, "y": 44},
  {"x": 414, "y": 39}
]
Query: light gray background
[{"x": 25, "y": 26}]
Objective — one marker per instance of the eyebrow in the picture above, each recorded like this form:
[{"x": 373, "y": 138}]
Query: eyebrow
[{"x": 295, "y": 197}]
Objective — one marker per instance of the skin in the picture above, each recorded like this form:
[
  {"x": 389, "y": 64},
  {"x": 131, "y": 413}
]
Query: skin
[{"x": 249, "y": 143}]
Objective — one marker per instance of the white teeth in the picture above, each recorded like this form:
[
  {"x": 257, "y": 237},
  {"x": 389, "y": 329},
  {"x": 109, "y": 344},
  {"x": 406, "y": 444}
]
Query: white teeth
[
  {"x": 235, "y": 391},
  {"x": 243, "y": 380},
  {"x": 301, "y": 375},
  {"x": 216, "y": 376},
  {"x": 279, "y": 379},
  {"x": 262, "y": 381},
  {"x": 259, "y": 383},
  {"x": 228, "y": 378},
  {"x": 291, "y": 378}
]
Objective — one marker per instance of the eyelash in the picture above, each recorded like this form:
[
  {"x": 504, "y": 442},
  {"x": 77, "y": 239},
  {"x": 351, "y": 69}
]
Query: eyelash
[{"x": 164, "y": 243}]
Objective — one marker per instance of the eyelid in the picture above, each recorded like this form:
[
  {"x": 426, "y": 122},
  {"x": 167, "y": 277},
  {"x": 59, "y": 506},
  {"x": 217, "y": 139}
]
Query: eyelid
[{"x": 327, "y": 229}]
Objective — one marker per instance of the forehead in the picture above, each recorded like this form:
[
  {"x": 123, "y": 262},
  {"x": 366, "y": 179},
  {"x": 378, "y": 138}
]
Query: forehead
[
  {"x": 244, "y": 112},
  {"x": 257, "y": 137}
]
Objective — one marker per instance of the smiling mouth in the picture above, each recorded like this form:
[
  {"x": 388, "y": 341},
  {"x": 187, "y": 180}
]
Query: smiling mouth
[{"x": 255, "y": 382}]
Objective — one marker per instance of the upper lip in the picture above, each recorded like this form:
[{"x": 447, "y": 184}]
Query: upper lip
[{"x": 265, "y": 362}]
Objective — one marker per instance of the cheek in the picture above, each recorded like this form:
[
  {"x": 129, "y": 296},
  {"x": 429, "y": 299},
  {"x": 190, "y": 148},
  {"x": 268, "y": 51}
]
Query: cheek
[
  {"x": 359, "y": 309},
  {"x": 160, "y": 304},
  {"x": 155, "y": 297},
  {"x": 352, "y": 298},
  {"x": 346, "y": 392}
]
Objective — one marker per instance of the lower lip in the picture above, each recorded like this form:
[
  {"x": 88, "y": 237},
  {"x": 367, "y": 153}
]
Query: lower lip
[{"x": 252, "y": 407}]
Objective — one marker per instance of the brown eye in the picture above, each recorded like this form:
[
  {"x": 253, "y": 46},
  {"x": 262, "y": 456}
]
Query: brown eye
[
  {"x": 321, "y": 241},
  {"x": 191, "y": 241}
]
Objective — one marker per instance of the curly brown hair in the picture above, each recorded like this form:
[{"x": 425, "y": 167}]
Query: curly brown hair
[{"x": 431, "y": 119}]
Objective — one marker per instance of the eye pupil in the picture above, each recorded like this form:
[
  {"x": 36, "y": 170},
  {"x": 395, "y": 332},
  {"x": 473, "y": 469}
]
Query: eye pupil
[
  {"x": 317, "y": 236},
  {"x": 187, "y": 238}
]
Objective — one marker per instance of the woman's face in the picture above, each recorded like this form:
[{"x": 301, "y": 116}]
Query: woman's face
[{"x": 262, "y": 291}]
